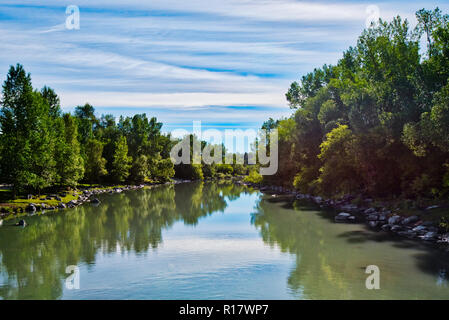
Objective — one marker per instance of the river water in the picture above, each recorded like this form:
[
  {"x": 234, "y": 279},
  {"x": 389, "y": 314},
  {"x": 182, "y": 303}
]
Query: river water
[{"x": 209, "y": 241}]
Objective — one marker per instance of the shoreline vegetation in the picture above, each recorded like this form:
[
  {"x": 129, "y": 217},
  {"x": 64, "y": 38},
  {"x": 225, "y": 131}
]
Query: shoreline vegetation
[{"x": 375, "y": 125}]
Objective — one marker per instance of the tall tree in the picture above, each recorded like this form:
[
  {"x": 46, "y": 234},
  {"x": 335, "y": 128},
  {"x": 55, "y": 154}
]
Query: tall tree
[{"x": 121, "y": 163}]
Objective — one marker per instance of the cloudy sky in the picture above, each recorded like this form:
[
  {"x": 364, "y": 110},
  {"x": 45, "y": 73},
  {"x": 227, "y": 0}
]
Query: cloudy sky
[{"x": 227, "y": 63}]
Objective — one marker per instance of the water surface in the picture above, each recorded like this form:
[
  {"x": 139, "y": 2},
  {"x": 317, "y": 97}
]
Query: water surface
[{"x": 210, "y": 241}]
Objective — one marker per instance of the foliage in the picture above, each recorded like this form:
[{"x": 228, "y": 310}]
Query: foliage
[{"x": 376, "y": 122}]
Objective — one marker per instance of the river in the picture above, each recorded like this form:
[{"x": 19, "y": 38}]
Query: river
[{"x": 209, "y": 241}]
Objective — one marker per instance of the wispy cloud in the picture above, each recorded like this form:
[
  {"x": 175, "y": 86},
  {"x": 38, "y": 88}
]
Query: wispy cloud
[{"x": 183, "y": 60}]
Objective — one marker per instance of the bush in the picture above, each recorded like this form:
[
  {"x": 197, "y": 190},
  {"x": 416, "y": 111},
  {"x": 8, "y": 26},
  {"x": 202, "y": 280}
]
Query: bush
[{"x": 253, "y": 177}]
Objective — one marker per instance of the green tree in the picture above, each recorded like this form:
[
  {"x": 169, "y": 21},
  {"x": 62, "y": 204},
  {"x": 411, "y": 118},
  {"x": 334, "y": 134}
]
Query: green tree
[
  {"x": 69, "y": 163},
  {"x": 121, "y": 163},
  {"x": 95, "y": 169}
]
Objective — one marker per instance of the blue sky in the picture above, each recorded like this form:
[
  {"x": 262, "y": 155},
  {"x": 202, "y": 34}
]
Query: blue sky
[{"x": 225, "y": 63}]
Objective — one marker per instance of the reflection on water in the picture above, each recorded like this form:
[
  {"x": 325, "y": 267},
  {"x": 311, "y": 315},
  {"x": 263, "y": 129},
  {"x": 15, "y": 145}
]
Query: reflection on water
[{"x": 213, "y": 240}]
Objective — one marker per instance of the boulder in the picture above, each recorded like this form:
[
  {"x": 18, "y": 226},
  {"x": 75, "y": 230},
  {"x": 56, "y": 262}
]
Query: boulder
[
  {"x": 420, "y": 229},
  {"x": 429, "y": 236},
  {"x": 372, "y": 217},
  {"x": 373, "y": 224},
  {"x": 62, "y": 205},
  {"x": 31, "y": 208},
  {"x": 396, "y": 228},
  {"x": 386, "y": 227},
  {"x": 95, "y": 201},
  {"x": 351, "y": 219},
  {"x": 21, "y": 223},
  {"x": 409, "y": 220},
  {"x": 394, "y": 219},
  {"x": 369, "y": 211},
  {"x": 342, "y": 216}
]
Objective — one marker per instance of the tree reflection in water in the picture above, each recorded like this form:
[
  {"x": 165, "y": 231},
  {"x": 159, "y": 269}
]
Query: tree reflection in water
[{"x": 33, "y": 259}]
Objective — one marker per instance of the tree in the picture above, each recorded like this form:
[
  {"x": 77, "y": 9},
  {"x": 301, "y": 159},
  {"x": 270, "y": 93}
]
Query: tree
[
  {"x": 121, "y": 163},
  {"x": 95, "y": 163},
  {"x": 27, "y": 144},
  {"x": 69, "y": 163}
]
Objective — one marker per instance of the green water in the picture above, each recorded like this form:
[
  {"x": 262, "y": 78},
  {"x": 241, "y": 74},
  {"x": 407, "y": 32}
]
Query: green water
[{"x": 210, "y": 241}]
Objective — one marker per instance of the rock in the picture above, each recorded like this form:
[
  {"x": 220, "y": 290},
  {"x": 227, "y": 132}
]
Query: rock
[
  {"x": 369, "y": 211},
  {"x": 62, "y": 205},
  {"x": 372, "y": 217},
  {"x": 349, "y": 207},
  {"x": 342, "y": 216},
  {"x": 394, "y": 219},
  {"x": 1, "y": 222},
  {"x": 95, "y": 201},
  {"x": 444, "y": 238},
  {"x": 30, "y": 196},
  {"x": 396, "y": 228},
  {"x": 318, "y": 199},
  {"x": 420, "y": 229},
  {"x": 373, "y": 224},
  {"x": 21, "y": 223},
  {"x": 31, "y": 208},
  {"x": 58, "y": 198},
  {"x": 382, "y": 217},
  {"x": 386, "y": 227},
  {"x": 351, "y": 219},
  {"x": 409, "y": 220},
  {"x": 429, "y": 236},
  {"x": 432, "y": 207}
]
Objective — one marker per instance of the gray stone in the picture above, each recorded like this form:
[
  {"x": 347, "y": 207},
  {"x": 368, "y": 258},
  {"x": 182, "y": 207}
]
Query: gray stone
[
  {"x": 95, "y": 201},
  {"x": 394, "y": 219},
  {"x": 386, "y": 227},
  {"x": 372, "y": 217},
  {"x": 342, "y": 216},
  {"x": 409, "y": 220},
  {"x": 351, "y": 218},
  {"x": 419, "y": 229},
  {"x": 429, "y": 236},
  {"x": 369, "y": 211},
  {"x": 373, "y": 224},
  {"x": 62, "y": 205},
  {"x": 396, "y": 228},
  {"x": 30, "y": 196}
]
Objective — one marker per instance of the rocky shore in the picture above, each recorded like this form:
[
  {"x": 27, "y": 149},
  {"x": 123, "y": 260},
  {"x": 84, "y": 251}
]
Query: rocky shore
[
  {"x": 83, "y": 196},
  {"x": 377, "y": 218}
]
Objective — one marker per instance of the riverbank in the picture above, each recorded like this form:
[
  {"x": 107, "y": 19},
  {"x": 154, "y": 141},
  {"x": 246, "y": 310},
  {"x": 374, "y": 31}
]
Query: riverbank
[
  {"x": 10, "y": 209},
  {"x": 420, "y": 224}
]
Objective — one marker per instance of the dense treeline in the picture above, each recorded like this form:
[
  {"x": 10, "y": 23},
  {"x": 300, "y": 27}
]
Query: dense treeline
[
  {"x": 376, "y": 123},
  {"x": 41, "y": 147}
]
